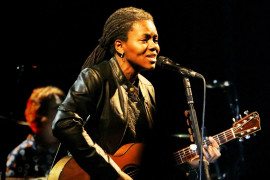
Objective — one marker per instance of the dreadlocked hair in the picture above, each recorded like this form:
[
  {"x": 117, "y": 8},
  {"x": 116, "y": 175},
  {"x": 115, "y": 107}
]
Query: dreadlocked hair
[{"x": 116, "y": 27}]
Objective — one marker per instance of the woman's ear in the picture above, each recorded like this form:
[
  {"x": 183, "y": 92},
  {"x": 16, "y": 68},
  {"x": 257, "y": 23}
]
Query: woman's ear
[{"x": 118, "y": 45}]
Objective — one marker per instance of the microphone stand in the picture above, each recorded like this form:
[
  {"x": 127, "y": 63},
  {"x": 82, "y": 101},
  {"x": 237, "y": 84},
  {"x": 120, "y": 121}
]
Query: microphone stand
[{"x": 195, "y": 128}]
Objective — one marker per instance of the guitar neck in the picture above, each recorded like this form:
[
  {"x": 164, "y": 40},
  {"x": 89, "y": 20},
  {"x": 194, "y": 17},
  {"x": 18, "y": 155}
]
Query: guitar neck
[{"x": 188, "y": 153}]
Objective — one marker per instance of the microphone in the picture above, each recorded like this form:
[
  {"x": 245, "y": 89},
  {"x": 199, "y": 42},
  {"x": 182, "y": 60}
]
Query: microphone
[{"x": 166, "y": 63}]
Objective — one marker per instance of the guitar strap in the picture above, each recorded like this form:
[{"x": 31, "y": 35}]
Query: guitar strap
[
  {"x": 59, "y": 154},
  {"x": 54, "y": 159}
]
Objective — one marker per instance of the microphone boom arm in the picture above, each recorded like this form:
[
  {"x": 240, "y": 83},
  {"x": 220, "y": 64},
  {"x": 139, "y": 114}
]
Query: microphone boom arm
[{"x": 166, "y": 63}]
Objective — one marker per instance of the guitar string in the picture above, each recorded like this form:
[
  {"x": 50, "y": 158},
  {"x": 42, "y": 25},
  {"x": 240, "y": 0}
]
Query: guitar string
[
  {"x": 194, "y": 153},
  {"x": 187, "y": 150},
  {"x": 221, "y": 139},
  {"x": 207, "y": 142},
  {"x": 225, "y": 135},
  {"x": 133, "y": 173},
  {"x": 219, "y": 136},
  {"x": 187, "y": 155},
  {"x": 184, "y": 153}
]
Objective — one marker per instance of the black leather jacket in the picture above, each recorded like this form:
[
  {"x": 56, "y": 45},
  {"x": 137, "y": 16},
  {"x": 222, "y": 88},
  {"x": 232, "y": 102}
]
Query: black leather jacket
[{"x": 98, "y": 97}]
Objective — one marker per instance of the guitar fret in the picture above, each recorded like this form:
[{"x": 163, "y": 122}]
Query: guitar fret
[
  {"x": 180, "y": 157},
  {"x": 216, "y": 138},
  {"x": 220, "y": 142},
  {"x": 230, "y": 137},
  {"x": 225, "y": 136},
  {"x": 184, "y": 155},
  {"x": 232, "y": 132}
]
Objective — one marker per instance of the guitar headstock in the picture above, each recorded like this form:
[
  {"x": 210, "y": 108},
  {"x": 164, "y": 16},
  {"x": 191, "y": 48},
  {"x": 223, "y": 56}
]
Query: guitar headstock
[{"x": 247, "y": 125}]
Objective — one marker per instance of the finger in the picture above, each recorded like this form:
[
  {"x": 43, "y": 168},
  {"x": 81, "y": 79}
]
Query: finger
[
  {"x": 211, "y": 156},
  {"x": 194, "y": 158},
  {"x": 214, "y": 153},
  {"x": 213, "y": 142},
  {"x": 205, "y": 153},
  {"x": 194, "y": 162}
]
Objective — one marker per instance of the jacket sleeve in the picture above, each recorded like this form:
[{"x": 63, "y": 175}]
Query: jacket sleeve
[{"x": 68, "y": 126}]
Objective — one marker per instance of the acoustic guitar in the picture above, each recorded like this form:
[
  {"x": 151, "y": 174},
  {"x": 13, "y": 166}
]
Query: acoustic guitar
[{"x": 128, "y": 157}]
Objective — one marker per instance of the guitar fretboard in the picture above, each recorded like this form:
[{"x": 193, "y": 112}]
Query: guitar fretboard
[{"x": 188, "y": 153}]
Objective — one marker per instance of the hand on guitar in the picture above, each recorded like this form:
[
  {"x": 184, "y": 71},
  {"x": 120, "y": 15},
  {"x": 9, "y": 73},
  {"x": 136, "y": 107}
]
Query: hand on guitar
[
  {"x": 210, "y": 152},
  {"x": 124, "y": 176}
]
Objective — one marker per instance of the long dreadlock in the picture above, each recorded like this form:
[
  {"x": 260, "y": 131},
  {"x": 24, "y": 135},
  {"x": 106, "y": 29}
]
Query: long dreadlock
[{"x": 116, "y": 27}]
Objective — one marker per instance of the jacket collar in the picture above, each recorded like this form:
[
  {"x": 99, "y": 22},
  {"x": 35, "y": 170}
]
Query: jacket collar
[
  {"x": 117, "y": 71},
  {"x": 124, "y": 82},
  {"x": 121, "y": 78}
]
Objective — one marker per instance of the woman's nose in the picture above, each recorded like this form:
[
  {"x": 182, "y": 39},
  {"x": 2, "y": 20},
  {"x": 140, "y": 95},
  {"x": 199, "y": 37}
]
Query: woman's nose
[{"x": 153, "y": 46}]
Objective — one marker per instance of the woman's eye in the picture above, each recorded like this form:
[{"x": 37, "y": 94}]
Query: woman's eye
[{"x": 146, "y": 40}]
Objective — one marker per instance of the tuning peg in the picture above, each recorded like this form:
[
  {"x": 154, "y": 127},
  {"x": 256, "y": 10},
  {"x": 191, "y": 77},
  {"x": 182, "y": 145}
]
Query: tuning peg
[
  {"x": 241, "y": 140},
  {"x": 247, "y": 137},
  {"x": 254, "y": 134},
  {"x": 240, "y": 116},
  {"x": 246, "y": 112},
  {"x": 233, "y": 119}
]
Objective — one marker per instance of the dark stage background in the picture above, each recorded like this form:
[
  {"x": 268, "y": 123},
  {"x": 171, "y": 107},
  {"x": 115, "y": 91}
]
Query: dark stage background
[{"x": 46, "y": 43}]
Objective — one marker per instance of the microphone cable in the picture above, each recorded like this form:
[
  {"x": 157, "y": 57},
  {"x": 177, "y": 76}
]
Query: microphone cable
[{"x": 202, "y": 127}]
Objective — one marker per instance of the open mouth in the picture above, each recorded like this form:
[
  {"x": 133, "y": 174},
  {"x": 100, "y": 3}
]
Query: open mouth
[{"x": 152, "y": 58}]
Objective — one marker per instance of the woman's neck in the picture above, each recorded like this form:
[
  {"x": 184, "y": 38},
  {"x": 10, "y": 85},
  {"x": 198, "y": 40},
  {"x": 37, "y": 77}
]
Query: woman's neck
[{"x": 128, "y": 70}]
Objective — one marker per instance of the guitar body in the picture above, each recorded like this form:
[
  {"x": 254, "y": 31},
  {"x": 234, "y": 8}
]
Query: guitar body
[
  {"x": 67, "y": 168},
  {"x": 128, "y": 158}
]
